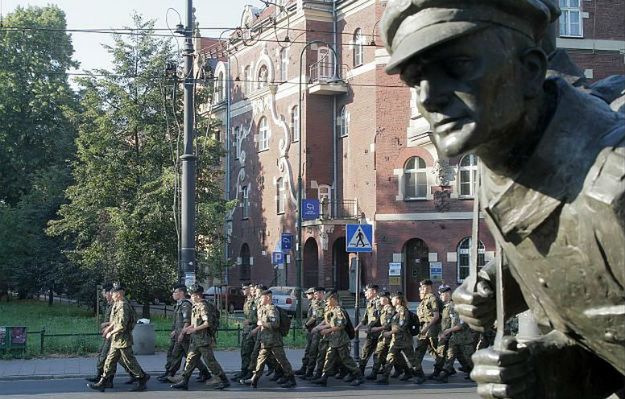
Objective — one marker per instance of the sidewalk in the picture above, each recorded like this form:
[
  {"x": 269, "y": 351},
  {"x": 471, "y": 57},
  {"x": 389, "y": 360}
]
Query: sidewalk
[{"x": 75, "y": 367}]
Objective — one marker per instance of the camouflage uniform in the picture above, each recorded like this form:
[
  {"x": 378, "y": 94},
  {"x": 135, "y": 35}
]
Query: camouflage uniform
[
  {"x": 271, "y": 340},
  {"x": 459, "y": 344},
  {"x": 309, "y": 324},
  {"x": 248, "y": 340},
  {"x": 371, "y": 319},
  {"x": 177, "y": 350},
  {"x": 271, "y": 361},
  {"x": 318, "y": 310},
  {"x": 338, "y": 344},
  {"x": 122, "y": 315},
  {"x": 400, "y": 346},
  {"x": 203, "y": 341},
  {"x": 428, "y": 341},
  {"x": 381, "y": 349}
]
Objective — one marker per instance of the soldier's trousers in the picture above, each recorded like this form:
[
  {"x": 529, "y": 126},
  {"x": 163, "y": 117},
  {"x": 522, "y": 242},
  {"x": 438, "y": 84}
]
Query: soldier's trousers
[
  {"x": 368, "y": 349},
  {"x": 277, "y": 353},
  {"x": 127, "y": 359},
  {"x": 321, "y": 355},
  {"x": 175, "y": 353},
  {"x": 462, "y": 352},
  {"x": 194, "y": 358},
  {"x": 313, "y": 352},
  {"x": 104, "y": 351},
  {"x": 429, "y": 344},
  {"x": 337, "y": 357},
  {"x": 307, "y": 350},
  {"x": 247, "y": 348},
  {"x": 401, "y": 356},
  {"x": 271, "y": 361},
  {"x": 381, "y": 351}
]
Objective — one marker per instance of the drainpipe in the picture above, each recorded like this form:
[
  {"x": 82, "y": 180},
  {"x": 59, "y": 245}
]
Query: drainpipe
[
  {"x": 334, "y": 136},
  {"x": 228, "y": 159}
]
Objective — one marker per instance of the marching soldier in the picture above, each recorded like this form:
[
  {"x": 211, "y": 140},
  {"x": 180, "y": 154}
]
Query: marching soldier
[
  {"x": 428, "y": 312},
  {"x": 371, "y": 320},
  {"x": 400, "y": 346},
  {"x": 308, "y": 325},
  {"x": 381, "y": 349},
  {"x": 179, "y": 345},
  {"x": 119, "y": 332},
  {"x": 270, "y": 340},
  {"x": 202, "y": 331},
  {"x": 338, "y": 343},
  {"x": 456, "y": 337},
  {"x": 316, "y": 345},
  {"x": 247, "y": 339}
]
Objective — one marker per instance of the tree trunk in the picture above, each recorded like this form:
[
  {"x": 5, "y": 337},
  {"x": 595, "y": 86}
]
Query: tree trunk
[
  {"x": 146, "y": 310},
  {"x": 50, "y": 297}
]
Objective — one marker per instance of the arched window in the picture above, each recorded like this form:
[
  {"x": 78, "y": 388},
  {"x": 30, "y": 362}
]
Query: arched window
[
  {"x": 467, "y": 170},
  {"x": 245, "y": 270},
  {"x": 263, "y": 134},
  {"x": 464, "y": 257},
  {"x": 357, "y": 48},
  {"x": 220, "y": 88},
  {"x": 342, "y": 122},
  {"x": 415, "y": 179},
  {"x": 247, "y": 73},
  {"x": 284, "y": 65},
  {"x": 281, "y": 196},
  {"x": 263, "y": 77},
  {"x": 295, "y": 123}
]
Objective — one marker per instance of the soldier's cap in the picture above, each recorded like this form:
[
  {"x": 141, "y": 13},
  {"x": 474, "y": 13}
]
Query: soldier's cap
[
  {"x": 261, "y": 287},
  {"x": 397, "y": 294},
  {"x": 118, "y": 287},
  {"x": 196, "y": 289},
  {"x": 384, "y": 294},
  {"x": 320, "y": 289},
  {"x": 265, "y": 292},
  {"x": 310, "y": 291},
  {"x": 372, "y": 287},
  {"x": 444, "y": 288},
  {"x": 330, "y": 294},
  {"x": 426, "y": 282},
  {"x": 107, "y": 287},
  {"x": 409, "y": 27}
]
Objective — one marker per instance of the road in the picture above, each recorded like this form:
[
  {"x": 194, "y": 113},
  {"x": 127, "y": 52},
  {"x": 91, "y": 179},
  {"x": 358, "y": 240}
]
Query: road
[{"x": 76, "y": 388}]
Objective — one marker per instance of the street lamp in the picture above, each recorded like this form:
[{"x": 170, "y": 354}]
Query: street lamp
[{"x": 298, "y": 259}]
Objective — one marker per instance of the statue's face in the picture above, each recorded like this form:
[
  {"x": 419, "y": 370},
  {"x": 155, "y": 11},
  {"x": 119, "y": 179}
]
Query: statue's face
[{"x": 469, "y": 90}]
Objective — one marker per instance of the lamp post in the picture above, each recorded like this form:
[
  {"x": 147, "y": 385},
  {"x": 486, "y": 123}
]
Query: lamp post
[{"x": 298, "y": 259}]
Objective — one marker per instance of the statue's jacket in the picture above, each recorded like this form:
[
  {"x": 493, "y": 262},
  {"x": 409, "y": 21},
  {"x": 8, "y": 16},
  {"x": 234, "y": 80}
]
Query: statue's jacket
[{"x": 561, "y": 223}]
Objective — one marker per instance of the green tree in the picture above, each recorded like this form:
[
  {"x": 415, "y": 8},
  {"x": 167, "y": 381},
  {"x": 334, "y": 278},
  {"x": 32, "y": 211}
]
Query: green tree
[
  {"x": 37, "y": 111},
  {"x": 121, "y": 214}
]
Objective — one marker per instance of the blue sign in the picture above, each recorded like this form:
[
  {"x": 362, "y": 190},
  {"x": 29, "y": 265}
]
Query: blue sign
[
  {"x": 286, "y": 241},
  {"x": 310, "y": 209},
  {"x": 277, "y": 258},
  {"x": 359, "y": 238}
]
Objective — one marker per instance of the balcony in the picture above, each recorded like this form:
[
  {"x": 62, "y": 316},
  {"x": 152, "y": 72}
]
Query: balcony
[{"x": 322, "y": 80}]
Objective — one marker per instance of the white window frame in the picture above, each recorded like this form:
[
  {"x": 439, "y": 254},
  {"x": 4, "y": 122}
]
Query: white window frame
[
  {"x": 471, "y": 169},
  {"x": 418, "y": 171},
  {"x": 571, "y": 12},
  {"x": 262, "y": 83},
  {"x": 295, "y": 134},
  {"x": 219, "y": 88},
  {"x": 342, "y": 122},
  {"x": 358, "y": 51},
  {"x": 463, "y": 258},
  {"x": 245, "y": 202},
  {"x": 263, "y": 134},
  {"x": 284, "y": 65},
  {"x": 281, "y": 196}
]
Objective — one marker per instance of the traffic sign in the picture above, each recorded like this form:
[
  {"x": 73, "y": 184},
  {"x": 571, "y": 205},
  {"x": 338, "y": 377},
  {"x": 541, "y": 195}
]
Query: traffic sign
[
  {"x": 436, "y": 271},
  {"x": 277, "y": 258},
  {"x": 359, "y": 238},
  {"x": 310, "y": 209},
  {"x": 286, "y": 241}
]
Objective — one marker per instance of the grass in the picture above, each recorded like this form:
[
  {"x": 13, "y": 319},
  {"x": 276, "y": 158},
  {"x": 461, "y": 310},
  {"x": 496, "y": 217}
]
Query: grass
[{"x": 72, "y": 319}]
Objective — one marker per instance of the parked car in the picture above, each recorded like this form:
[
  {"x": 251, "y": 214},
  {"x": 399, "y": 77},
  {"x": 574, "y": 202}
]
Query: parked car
[
  {"x": 227, "y": 297},
  {"x": 286, "y": 298}
]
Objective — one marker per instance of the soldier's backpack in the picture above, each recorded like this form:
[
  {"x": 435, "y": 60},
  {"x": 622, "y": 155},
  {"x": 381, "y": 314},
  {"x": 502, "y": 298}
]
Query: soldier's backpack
[
  {"x": 133, "y": 317},
  {"x": 413, "y": 323},
  {"x": 285, "y": 322},
  {"x": 215, "y": 315},
  {"x": 349, "y": 327}
]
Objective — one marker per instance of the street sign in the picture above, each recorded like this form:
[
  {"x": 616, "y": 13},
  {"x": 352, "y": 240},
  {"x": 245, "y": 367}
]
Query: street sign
[
  {"x": 394, "y": 269},
  {"x": 310, "y": 209},
  {"x": 359, "y": 238},
  {"x": 436, "y": 271},
  {"x": 277, "y": 258},
  {"x": 286, "y": 241}
]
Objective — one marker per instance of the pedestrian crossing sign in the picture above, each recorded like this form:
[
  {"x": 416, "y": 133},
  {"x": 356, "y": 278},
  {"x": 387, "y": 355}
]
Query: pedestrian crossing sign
[{"x": 359, "y": 238}]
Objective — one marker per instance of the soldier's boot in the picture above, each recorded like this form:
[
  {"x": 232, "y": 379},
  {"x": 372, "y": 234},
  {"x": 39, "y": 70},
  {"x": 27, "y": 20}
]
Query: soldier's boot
[
  {"x": 355, "y": 379},
  {"x": 276, "y": 375},
  {"x": 204, "y": 376},
  {"x": 289, "y": 383},
  {"x": 435, "y": 374},
  {"x": 322, "y": 380},
  {"x": 254, "y": 381},
  {"x": 223, "y": 383},
  {"x": 407, "y": 375},
  {"x": 442, "y": 377},
  {"x": 182, "y": 384},
  {"x": 452, "y": 371},
  {"x": 100, "y": 385},
  {"x": 342, "y": 374},
  {"x": 374, "y": 372},
  {"x": 163, "y": 377},
  {"x": 301, "y": 371},
  {"x": 142, "y": 383},
  {"x": 130, "y": 380},
  {"x": 397, "y": 372},
  {"x": 96, "y": 377},
  {"x": 382, "y": 380},
  {"x": 239, "y": 375},
  {"x": 419, "y": 377}
]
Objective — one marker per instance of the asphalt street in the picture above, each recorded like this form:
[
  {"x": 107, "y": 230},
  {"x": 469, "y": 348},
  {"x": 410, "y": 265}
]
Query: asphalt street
[{"x": 76, "y": 388}]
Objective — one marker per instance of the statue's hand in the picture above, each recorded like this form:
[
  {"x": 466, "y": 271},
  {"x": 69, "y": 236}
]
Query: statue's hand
[
  {"x": 476, "y": 308},
  {"x": 504, "y": 374}
]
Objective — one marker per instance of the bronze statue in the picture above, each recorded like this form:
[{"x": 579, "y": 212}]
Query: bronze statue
[{"x": 552, "y": 165}]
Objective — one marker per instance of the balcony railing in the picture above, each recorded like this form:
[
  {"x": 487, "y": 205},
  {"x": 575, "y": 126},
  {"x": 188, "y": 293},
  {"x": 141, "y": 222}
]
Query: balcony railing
[
  {"x": 323, "y": 72},
  {"x": 345, "y": 209}
]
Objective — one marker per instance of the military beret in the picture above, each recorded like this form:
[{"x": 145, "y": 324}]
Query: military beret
[
  {"x": 310, "y": 291},
  {"x": 196, "y": 289},
  {"x": 107, "y": 286},
  {"x": 265, "y": 292},
  {"x": 372, "y": 287},
  {"x": 409, "y": 27},
  {"x": 117, "y": 287},
  {"x": 444, "y": 288}
]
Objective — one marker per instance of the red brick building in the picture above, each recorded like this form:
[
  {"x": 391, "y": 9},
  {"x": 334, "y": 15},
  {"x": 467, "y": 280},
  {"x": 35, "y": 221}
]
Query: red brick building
[{"x": 365, "y": 152}]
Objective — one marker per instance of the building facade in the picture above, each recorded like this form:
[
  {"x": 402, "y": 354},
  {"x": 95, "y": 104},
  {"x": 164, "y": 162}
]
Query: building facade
[{"x": 302, "y": 92}]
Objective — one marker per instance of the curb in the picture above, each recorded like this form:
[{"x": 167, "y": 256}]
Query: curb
[{"x": 39, "y": 377}]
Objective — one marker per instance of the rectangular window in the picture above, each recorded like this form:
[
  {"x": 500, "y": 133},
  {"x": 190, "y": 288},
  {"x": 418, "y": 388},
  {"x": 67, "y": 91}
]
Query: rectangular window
[
  {"x": 295, "y": 124},
  {"x": 416, "y": 185},
  {"x": 571, "y": 18},
  {"x": 284, "y": 65},
  {"x": 245, "y": 203}
]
